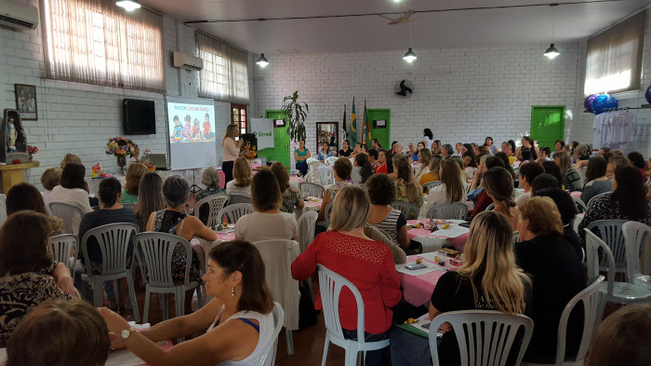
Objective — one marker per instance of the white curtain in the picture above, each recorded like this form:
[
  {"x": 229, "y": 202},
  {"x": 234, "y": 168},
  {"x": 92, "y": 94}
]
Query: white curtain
[
  {"x": 614, "y": 57},
  {"x": 96, "y": 42},
  {"x": 225, "y": 73}
]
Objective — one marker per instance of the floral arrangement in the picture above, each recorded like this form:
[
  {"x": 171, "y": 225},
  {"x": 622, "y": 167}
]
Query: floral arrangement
[
  {"x": 248, "y": 151},
  {"x": 120, "y": 146},
  {"x": 31, "y": 150}
]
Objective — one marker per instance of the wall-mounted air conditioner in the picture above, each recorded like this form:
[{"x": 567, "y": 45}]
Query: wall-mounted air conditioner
[
  {"x": 188, "y": 62},
  {"x": 19, "y": 16}
]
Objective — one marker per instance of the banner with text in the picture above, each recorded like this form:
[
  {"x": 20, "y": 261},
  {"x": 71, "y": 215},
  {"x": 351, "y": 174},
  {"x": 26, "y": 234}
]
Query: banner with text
[{"x": 263, "y": 128}]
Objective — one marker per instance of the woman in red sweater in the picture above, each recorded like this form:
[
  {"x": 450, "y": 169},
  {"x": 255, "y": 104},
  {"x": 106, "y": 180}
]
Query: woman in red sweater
[{"x": 367, "y": 263}]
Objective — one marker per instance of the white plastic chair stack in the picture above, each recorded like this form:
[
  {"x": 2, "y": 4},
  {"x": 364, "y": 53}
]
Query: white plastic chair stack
[
  {"x": 612, "y": 291},
  {"x": 155, "y": 253},
  {"x": 312, "y": 172},
  {"x": 635, "y": 234},
  {"x": 64, "y": 248},
  {"x": 410, "y": 210},
  {"x": 235, "y": 211},
  {"x": 306, "y": 227},
  {"x": 448, "y": 211},
  {"x": 68, "y": 213},
  {"x": 309, "y": 189},
  {"x": 278, "y": 255},
  {"x": 114, "y": 241},
  {"x": 331, "y": 284},
  {"x": 214, "y": 204},
  {"x": 330, "y": 160},
  {"x": 485, "y": 337},
  {"x": 327, "y": 174},
  {"x": 590, "y": 299}
]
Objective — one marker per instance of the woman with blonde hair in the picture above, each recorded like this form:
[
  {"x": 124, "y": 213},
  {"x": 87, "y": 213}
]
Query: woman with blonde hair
[
  {"x": 613, "y": 162},
  {"x": 571, "y": 178},
  {"x": 498, "y": 184},
  {"x": 134, "y": 174},
  {"x": 367, "y": 263},
  {"x": 489, "y": 279},
  {"x": 231, "y": 150},
  {"x": 51, "y": 178},
  {"x": 451, "y": 189},
  {"x": 242, "y": 178},
  {"x": 433, "y": 174},
  {"x": 557, "y": 272},
  {"x": 69, "y": 158},
  {"x": 424, "y": 156},
  {"x": 406, "y": 187}
]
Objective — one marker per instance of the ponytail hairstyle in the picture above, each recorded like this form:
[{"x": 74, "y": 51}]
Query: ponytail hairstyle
[
  {"x": 403, "y": 168},
  {"x": 498, "y": 183}
]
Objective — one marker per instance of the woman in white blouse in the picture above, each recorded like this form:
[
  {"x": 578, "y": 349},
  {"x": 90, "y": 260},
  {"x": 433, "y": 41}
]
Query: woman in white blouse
[
  {"x": 231, "y": 150},
  {"x": 73, "y": 190},
  {"x": 242, "y": 182},
  {"x": 452, "y": 188}
]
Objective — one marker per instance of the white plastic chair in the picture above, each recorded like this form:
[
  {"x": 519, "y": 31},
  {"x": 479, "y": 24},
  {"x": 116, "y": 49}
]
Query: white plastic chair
[
  {"x": 635, "y": 234},
  {"x": 114, "y": 241},
  {"x": 235, "y": 211},
  {"x": 516, "y": 237},
  {"x": 309, "y": 189},
  {"x": 410, "y": 210},
  {"x": 448, "y": 211},
  {"x": 490, "y": 207},
  {"x": 269, "y": 357},
  {"x": 580, "y": 205},
  {"x": 610, "y": 231},
  {"x": 327, "y": 174},
  {"x": 331, "y": 284},
  {"x": 155, "y": 253},
  {"x": 590, "y": 299},
  {"x": 612, "y": 291},
  {"x": 3, "y": 209},
  {"x": 278, "y": 255},
  {"x": 594, "y": 199},
  {"x": 330, "y": 160},
  {"x": 312, "y": 160},
  {"x": 214, "y": 203},
  {"x": 485, "y": 337},
  {"x": 429, "y": 185},
  {"x": 239, "y": 198},
  {"x": 306, "y": 227},
  {"x": 327, "y": 213},
  {"x": 67, "y": 213},
  {"x": 65, "y": 249}
]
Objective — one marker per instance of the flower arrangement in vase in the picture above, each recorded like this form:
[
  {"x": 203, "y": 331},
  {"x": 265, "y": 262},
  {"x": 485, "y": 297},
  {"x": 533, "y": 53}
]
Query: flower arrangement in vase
[
  {"x": 32, "y": 150},
  {"x": 121, "y": 147},
  {"x": 248, "y": 151}
]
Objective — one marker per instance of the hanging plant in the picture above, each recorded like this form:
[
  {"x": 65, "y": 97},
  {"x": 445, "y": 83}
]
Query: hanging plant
[{"x": 296, "y": 112}]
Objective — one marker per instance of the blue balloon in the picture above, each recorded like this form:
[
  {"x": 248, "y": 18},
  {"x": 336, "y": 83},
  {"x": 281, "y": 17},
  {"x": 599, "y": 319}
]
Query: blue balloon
[{"x": 603, "y": 101}]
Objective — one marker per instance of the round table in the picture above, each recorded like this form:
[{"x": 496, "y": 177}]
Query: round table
[
  {"x": 417, "y": 288},
  {"x": 311, "y": 204},
  {"x": 455, "y": 235}
]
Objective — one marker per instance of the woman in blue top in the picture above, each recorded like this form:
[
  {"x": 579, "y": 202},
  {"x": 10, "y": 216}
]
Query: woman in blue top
[
  {"x": 301, "y": 155},
  {"x": 325, "y": 152}
]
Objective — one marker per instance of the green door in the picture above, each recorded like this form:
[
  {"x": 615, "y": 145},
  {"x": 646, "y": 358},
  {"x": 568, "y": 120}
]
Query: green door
[
  {"x": 382, "y": 134},
  {"x": 547, "y": 124},
  {"x": 280, "y": 152}
]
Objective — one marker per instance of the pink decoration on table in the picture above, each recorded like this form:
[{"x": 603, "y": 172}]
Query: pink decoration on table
[{"x": 459, "y": 242}]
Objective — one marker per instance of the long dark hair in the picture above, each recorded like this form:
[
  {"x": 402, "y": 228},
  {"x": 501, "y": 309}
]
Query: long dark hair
[
  {"x": 630, "y": 192},
  {"x": 73, "y": 176},
  {"x": 427, "y": 132},
  {"x": 240, "y": 255},
  {"x": 366, "y": 169},
  {"x": 596, "y": 169},
  {"x": 23, "y": 240},
  {"x": 24, "y": 196},
  {"x": 553, "y": 169}
]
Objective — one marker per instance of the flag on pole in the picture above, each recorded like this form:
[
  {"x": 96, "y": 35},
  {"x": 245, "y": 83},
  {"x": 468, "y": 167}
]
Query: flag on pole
[
  {"x": 353, "y": 127},
  {"x": 344, "y": 125},
  {"x": 367, "y": 127}
]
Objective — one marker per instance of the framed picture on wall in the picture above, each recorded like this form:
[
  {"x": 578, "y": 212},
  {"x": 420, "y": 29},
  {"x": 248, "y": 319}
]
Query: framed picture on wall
[{"x": 26, "y": 101}]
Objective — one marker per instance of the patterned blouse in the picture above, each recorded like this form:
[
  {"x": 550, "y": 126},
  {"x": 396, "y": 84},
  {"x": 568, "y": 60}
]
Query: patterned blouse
[
  {"x": 168, "y": 222},
  {"x": 291, "y": 197},
  {"x": 20, "y": 293},
  {"x": 334, "y": 189},
  {"x": 603, "y": 209},
  {"x": 401, "y": 193}
]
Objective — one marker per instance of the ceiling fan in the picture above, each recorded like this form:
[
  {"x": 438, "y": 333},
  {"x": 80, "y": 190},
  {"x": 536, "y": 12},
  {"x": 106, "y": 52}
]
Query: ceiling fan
[{"x": 403, "y": 18}]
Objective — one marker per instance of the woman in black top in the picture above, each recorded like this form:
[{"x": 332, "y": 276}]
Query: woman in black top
[{"x": 346, "y": 150}]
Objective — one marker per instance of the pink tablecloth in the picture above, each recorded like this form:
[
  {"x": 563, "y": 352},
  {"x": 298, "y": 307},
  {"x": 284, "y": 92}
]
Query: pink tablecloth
[
  {"x": 417, "y": 290},
  {"x": 421, "y": 235},
  {"x": 576, "y": 194}
]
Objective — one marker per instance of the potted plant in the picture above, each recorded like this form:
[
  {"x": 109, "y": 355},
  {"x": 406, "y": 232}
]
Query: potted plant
[{"x": 296, "y": 112}]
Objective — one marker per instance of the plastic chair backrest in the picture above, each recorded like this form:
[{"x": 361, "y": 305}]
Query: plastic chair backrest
[
  {"x": 485, "y": 337},
  {"x": 269, "y": 358},
  {"x": 610, "y": 231},
  {"x": 448, "y": 211},
  {"x": 328, "y": 212},
  {"x": 490, "y": 207},
  {"x": 594, "y": 199},
  {"x": 580, "y": 205},
  {"x": 66, "y": 212},
  {"x": 312, "y": 160},
  {"x": 155, "y": 252},
  {"x": 516, "y": 237},
  {"x": 592, "y": 245},
  {"x": 215, "y": 203},
  {"x": 430, "y": 185},
  {"x": 410, "y": 210},
  {"x": 239, "y": 198},
  {"x": 330, "y": 160},
  {"x": 590, "y": 298},
  {"x": 330, "y": 286},
  {"x": 327, "y": 174},
  {"x": 309, "y": 189},
  {"x": 306, "y": 227},
  {"x": 114, "y": 241},
  {"x": 63, "y": 247},
  {"x": 3, "y": 209},
  {"x": 234, "y": 211},
  {"x": 635, "y": 234}
]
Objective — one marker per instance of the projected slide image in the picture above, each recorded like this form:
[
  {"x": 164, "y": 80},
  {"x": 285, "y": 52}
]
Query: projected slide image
[{"x": 190, "y": 123}]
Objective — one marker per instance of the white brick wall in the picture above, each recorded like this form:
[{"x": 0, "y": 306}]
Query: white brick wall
[{"x": 462, "y": 94}]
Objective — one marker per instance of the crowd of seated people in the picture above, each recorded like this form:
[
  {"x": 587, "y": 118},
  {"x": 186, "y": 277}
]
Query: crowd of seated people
[{"x": 529, "y": 187}]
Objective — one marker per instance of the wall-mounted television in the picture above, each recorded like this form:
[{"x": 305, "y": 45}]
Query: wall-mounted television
[{"x": 139, "y": 117}]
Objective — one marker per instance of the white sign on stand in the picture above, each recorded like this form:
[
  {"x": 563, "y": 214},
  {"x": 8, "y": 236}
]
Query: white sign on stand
[{"x": 263, "y": 128}]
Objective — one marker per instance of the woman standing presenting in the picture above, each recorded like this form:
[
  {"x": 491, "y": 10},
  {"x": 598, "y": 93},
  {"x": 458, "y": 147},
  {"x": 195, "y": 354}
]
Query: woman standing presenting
[
  {"x": 301, "y": 155},
  {"x": 231, "y": 151}
]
